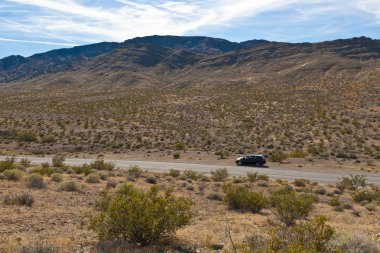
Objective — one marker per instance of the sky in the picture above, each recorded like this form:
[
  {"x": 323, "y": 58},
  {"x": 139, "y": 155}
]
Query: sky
[{"x": 33, "y": 26}]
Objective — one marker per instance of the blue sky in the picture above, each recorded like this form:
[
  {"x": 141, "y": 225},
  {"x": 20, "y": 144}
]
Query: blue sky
[{"x": 33, "y": 26}]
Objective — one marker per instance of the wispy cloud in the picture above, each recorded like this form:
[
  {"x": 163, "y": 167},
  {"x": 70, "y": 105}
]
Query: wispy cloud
[{"x": 38, "y": 42}]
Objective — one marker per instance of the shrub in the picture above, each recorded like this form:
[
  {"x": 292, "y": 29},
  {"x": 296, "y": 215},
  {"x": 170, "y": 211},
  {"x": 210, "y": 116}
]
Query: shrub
[
  {"x": 135, "y": 171},
  {"x": 366, "y": 195},
  {"x": 278, "y": 157},
  {"x": 193, "y": 175},
  {"x": 173, "y": 173},
  {"x": 352, "y": 183},
  {"x": 25, "y": 162},
  {"x": 215, "y": 196},
  {"x": 241, "y": 198},
  {"x": 298, "y": 154},
  {"x": 8, "y": 164},
  {"x": 56, "y": 177},
  {"x": 27, "y": 136},
  {"x": 370, "y": 207},
  {"x": 151, "y": 180},
  {"x": 112, "y": 183},
  {"x": 58, "y": 161},
  {"x": 334, "y": 202},
  {"x": 39, "y": 248},
  {"x": 140, "y": 217},
  {"x": 13, "y": 175},
  {"x": 93, "y": 178},
  {"x": 190, "y": 187},
  {"x": 354, "y": 244},
  {"x": 44, "y": 170},
  {"x": 289, "y": 206},
  {"x": 23, "y": 199},
  {"x": 71, "y": 186},
  {"x": 219, "y": 174},
  {"x": 252, "y": 176},
  {"x": 176, "y": 155},
  {"x": 35, "y": 181},
  {"x": 301, "y": 182},
  {"x": 320, "y": 191},
  {"x": 100, "y": 164},
  {"x": 263, "y": 177}
]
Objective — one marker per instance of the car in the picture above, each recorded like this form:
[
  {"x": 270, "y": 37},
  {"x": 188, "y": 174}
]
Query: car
[{"x": 254, "y": 159}]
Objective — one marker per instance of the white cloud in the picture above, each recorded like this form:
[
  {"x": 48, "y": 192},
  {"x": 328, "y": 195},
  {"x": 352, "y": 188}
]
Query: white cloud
[
  {"x": 70, "y": 20},
  {"x": 38, "y": 42}
]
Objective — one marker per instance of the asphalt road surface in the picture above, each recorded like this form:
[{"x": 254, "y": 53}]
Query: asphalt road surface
[{"x": 273, "y": 173}]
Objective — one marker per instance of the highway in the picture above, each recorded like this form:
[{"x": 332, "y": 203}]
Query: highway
[{"x": 273, "y": 173}]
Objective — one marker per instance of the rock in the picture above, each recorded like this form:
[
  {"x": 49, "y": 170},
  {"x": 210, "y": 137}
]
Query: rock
[{"x": 217, "y": 246}]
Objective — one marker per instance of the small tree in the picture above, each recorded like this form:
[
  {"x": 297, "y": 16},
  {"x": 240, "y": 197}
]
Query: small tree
[
  {"x": 140, "y": 217},
  {"x": 289, "y": 206}
]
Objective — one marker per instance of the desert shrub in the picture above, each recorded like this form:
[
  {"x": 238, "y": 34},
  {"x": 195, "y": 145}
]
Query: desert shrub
[
  {"x": 311, "y": 236},
  {"x": 84, "y": 169},
  {"x": 215, "y": 196},
  {"x": 262, "y": 183},
  {"x": 241, "y": 198},
  {"x": 135, "y": 171},
  {"x": 278, "y": 157},
  {"x": 103, "y": 175},
  {"x": 8, "y": 164},
  {"x": 93, "y": 178},
  {"x": 56, "y": 177},
  {"x": 173, "y": 173},
  {"x": 151, "y": 180},
  {"x": 301, "y": 182},
  {"x": 252, "y": 176},
  {"x": 219, "y": 174},
  {"x": 366, "y": 195},
  {"x": 298, "y": 154},
  {"x": 347, "y": 205},
  {"x": 35, "y": 181},
  {"x": 112, "y": 183},
  {"x": 176, "y": 155},
  {"x": 71, "y": 186},
  {"x": 263, "y": 177},
  {"x": 45, "y": 169},
  {"x": 354, "y": 244},
  {"x": 48, "y": 139},
  {"x": 100, "y": 164},
  {"x": 222, "y": 154},
  {"x": 140, "y": 217},
  {"x": 193, "y": 175},
  {"x": 25, "y": 162},
  {"x": 370, "y": 207},
  {"x": 290, "y": 206},
  {"x": 190, "y": 187},
  {"x": 352, "y": 183},
  {"x": 13, "y": 175},
  {"x": 39, "y": 248},
  {"x": 320, "y": 191},
  {"x": 58, "y": 161},
  {"x": 334, "y": 202},
  {"x": 23, "y": 199},
  {"x": 27, "y": 136}
]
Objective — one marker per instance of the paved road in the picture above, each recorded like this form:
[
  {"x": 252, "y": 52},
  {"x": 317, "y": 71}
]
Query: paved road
[{"x": 273, "y": 173}]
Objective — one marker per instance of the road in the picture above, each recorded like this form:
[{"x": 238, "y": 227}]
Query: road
[{"x": 273, "y": 173}]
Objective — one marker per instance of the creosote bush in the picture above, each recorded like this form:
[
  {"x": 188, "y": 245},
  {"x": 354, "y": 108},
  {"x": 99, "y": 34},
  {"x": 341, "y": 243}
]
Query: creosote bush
[
  {"x": 71, "y": 186},
  {"x": 93, "y": 178},
  {"x": 219, "y": 174},
  {"x": 35, "y": 181},
  {"x": 56, "y": 177},
  {"x": 8, "y": 164},
  {"x": 290, "y": 206},
  {"x": 241, "y": 198},
  {"x": 23, "y": 199},
  {"x": 58, "y": 160},
  {"x": 13, "y": 175},
  {"x": 352, "y": 183},
  {"x": 135, "y": 171},
  {"x": 140, "y": 217},
  {"x": 100, "y": 164}
]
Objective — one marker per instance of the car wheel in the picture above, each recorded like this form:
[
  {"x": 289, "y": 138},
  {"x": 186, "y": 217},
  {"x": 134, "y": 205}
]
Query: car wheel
[
  {"x": 240, "y": 163},
  {"x": 258, "y": 164}
]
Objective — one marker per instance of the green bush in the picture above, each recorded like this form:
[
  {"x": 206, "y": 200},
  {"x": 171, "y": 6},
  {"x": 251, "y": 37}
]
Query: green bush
[
  {"x": 58, "y": 161},
  {"x": 301, "y": 182},
  {"x": 8, "y": 164},
  {"x": 366, "y": 195},
  {"x": 215, "y": 196},
  {"x": 100, "y": 164},
  {"x": 354, "y": 244},
  {"x": 176, "y": 155},
  {"x": 320, "y": 191},
  {"x": 278, "y": 157},
  {"x": 193, "y": 175},
  {"x": 25, "y": 162},
  {"x": 71, "y": 186},
  {"x": 135, "y": 171},
  {"x": 151, "y": 180},
  {"x": 298, "y": 154},
  {"x": 93, "y": 178},
  {"x": 263, "y": 177},
  {"x": 352, "y": 183},
  {"x": 219, "y": 174},
  {"x": 56, "y": 177},
  {"x": 334, "y": 202},
  {"x": 252, "y": 176},
  {"x": 13, "y": 175},
  {"x": 241, "y": 198},
  {"x": 140, "y": 217},
  {"x": 35, "y": 181},
  {"x": 27, "y": 136},
  {"x": 44, "y": 170},
  {"x": 290, "y": 206},
  {"x": 173, "y": 173}
]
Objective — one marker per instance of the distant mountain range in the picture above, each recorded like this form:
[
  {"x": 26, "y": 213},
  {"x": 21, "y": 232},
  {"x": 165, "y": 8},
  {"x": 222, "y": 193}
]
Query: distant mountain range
[{"x": 193, "y": 61}]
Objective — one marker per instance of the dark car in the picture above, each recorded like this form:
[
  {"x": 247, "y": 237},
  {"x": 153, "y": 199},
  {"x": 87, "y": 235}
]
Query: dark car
[{"x": 258, "y": 160}]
